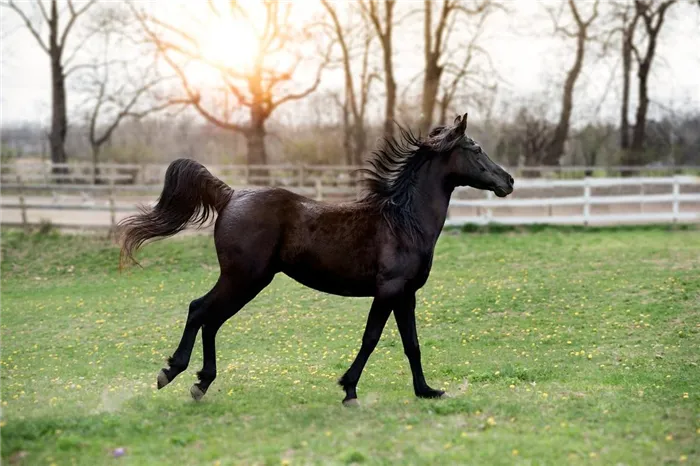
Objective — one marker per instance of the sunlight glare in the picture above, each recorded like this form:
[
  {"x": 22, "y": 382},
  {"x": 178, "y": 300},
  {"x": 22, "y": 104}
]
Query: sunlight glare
[{"x": 231, "y": 44}]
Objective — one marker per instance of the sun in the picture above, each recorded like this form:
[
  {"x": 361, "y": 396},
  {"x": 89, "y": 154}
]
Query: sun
[{"x": 231, "y": 44}]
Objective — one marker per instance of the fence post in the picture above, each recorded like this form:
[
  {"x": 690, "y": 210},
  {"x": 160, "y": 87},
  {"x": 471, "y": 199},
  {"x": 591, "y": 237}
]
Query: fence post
[
  {"x": 676, "y": 195},
  {"x": 319, "y": 190},
  {"x": 302, "y": 167},
  {"x": 22, "y": 205},
  {"x": 586, "y": 200},
  {"x": 489, "y": 212}
]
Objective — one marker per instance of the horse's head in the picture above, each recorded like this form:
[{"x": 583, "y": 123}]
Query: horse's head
[{"x": 467, "y": 163}]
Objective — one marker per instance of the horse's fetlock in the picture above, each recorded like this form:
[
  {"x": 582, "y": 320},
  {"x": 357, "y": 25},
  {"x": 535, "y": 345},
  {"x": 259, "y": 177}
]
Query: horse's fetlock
[
  {"x": 177, "y": 366},
  {"x": 208, "y": 376},
  {"x": 346, "y": 382}
]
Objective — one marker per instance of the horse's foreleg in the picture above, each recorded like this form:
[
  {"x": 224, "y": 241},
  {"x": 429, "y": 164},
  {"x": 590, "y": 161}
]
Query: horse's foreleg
[
  {"x": 378, "y": 315},
  {"x": 405, "y": 314}
]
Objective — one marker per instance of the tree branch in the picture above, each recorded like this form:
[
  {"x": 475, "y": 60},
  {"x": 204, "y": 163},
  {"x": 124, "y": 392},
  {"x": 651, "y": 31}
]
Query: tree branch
[
  {"x": 307, "y": 91},
  {"x": 43, "y": 11},
  {"x": 74, "y": 16},
  {"x": 27, "y": 22}
]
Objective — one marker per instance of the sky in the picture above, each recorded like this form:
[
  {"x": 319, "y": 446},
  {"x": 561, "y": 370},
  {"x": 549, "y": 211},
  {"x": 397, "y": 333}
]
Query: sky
[{"x": 528, "y": 60}]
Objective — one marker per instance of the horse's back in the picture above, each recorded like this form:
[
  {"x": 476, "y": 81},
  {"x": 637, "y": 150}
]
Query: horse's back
[{"x": 329, "y": 247}]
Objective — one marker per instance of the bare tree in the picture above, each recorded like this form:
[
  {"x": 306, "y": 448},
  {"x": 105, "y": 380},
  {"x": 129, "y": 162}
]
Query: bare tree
[
  {"x": 55, "y": 47},
  {"x": 112, "y": 100},
  {"x": 119, "y": 82},
  {"x": 356, "y": 99},
  {"x": 651, "y": 14},
  {"x": 472, "y": 80},
  {"x": 581, "y": 33},
  {"x": 383, "y": 21},
  {"x": 259, "y": 90},
  {"x": 628, "y": 23},
  {"x": 436, "y": 44}
]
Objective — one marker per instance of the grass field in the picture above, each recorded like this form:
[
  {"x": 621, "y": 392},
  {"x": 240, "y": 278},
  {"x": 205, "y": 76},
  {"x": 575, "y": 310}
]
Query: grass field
[{"x": 557, "y": 348}]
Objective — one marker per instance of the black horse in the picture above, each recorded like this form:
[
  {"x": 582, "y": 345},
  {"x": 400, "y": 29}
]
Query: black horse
[{"x": 380, "y": 246}]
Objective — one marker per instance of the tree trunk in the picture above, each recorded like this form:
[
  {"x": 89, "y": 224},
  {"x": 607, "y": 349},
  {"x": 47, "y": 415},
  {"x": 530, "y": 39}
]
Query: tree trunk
[
  {"x": 591, "y": 160},
  {"x": 431, "y": 73},
  {"x": 360, "y": 143},
  {"x": 59, "y": 120},
  {"x": 255, "y": 139},
  {"x": 95, "y": 161},
  {"x": 431, "y": 84},
  {"x": 347, "y": 135},
  {"x": 561, "y": 132},
  {"x": 639, "y": 131},
  {"x": 652, "y": 22},
  {"x": 444, "y": 106},
  {"x": 627, "y": 156},
  {"x": 390, "y": 93}
]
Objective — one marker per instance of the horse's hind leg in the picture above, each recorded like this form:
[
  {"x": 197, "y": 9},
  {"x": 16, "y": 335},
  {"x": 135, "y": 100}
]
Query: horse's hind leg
[
  {"x": 240, "y": 293},
  {"x": 180, "y": 359}
]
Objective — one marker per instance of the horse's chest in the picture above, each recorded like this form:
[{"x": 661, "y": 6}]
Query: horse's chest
[{"x": 413, "y": 269}]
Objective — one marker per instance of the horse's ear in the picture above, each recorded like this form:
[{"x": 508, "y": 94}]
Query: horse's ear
[
  {"x": 461, "y": 124},
  {"x": 458, "y": 120}
]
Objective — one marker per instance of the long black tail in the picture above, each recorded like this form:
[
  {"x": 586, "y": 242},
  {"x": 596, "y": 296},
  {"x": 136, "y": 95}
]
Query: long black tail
[{"x": 190, "y": 195}]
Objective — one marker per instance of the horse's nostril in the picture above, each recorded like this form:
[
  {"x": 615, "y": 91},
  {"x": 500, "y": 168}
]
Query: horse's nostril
[{"x": 512, "y": 181}]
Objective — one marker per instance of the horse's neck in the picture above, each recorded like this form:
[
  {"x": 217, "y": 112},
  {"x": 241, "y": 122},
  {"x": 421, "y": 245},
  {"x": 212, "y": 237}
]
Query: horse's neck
[{"x": 432, "y": 202}]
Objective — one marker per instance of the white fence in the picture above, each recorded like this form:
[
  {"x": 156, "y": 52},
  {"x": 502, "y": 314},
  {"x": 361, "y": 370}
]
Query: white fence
[
  {"x": 657, "y": 200},
  {"x": 586, "y": 201}
]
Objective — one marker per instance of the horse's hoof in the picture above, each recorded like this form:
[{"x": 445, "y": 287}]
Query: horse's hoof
[
  {"x": 351, "y": 403},
  {"x": 196, "y": 392},
  {"x": 162, "y": 379},
  {"x": 431, "y": 393}
]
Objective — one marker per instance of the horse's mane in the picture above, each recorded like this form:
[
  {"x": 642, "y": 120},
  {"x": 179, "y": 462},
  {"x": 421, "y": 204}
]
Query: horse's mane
[{"x": 394, "y": 166}]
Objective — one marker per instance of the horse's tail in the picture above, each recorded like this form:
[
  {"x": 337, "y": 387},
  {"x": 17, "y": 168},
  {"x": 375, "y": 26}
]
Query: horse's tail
[{"x": 190, "y": 195}]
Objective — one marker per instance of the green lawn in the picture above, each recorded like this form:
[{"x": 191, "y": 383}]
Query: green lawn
[{"x": 557, "y": 347}]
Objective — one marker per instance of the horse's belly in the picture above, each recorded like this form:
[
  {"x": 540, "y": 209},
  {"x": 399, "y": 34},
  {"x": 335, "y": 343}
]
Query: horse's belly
[{"x": 330, "y": 282}]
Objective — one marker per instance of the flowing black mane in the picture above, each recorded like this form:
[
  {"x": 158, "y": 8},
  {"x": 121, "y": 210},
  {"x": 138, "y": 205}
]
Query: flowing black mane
[{"x": 390, "y": 179}]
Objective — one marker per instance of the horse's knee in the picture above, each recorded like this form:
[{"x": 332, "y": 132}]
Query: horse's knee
[{"x": 178, "y": 365}]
